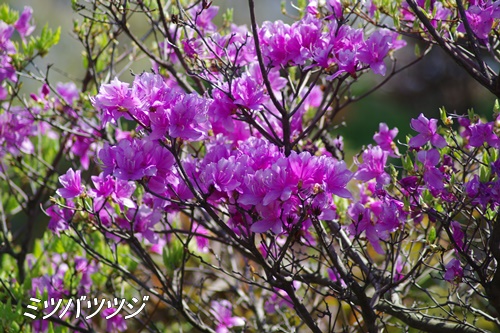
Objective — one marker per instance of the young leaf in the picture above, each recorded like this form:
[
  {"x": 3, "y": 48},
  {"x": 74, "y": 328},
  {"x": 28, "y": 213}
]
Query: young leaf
[{"x": 431, "y": 237}]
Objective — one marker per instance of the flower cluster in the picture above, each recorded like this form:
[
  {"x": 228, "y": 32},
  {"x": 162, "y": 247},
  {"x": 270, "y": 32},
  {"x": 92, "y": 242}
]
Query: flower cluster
[
  {"x": 324, "y": 43},
  {"x": 221, "y": 165},
  {"x": 7, "y": 48}
]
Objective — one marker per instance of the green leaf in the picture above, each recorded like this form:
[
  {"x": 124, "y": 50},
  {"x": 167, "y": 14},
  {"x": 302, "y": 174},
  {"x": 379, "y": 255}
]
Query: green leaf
[
  {"x": 417, "y": 50},
  {"x": 58, "y": 246},
  {"x": 431, "y": 237},
  {"x": 173, "y": 255},
  {"x": 407, "y": 163},
  {"x": 47, "y": 39},
  {"x": 471, "y": 114},
  {"x": 484, "y": 174},
  {"x": 393, "y": 172},
  {"x": 7, "y": 15},
  {"x": 227, "y": 17},
  {"x": 442, "y": 113}
]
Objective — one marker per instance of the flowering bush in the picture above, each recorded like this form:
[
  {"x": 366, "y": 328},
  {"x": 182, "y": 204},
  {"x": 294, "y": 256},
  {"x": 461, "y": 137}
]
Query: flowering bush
[{"x": 215, "y": 187}]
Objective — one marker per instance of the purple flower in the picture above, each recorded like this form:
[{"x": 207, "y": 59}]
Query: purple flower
[
  {"x": 224, "y": 176},
  {"x": 143, "y": 221},
  {"x": 345, "y": 44},
  {"x": 279, "y": 299},
  {"x": 6, "y": 45},
  {"x": 472, "y": 187},
  {"x": 483, "y": 193},
  {"x": 362, "y": 222},
  {"x": 398, "y": 269},
  {"x": 254, "y": 188},
  {"x": 336, "y": 7},
  {"x": 248, "y": 93},
  {"x": 384, "y": 138},
  {"x": 375, "y": 50},
  {"x": 86, "y": 269},
  {"x": 153, "y": 92},
  {"x": 281, "y": 44},
  {"x": 201, "y": 242},
  {"x": 322, "y": 202},
  {"x": 68, "y": 91},
  {"x": 59, "y": 218},
  {"x": 454, "y": 271},
  {"x": 130, "y": 159},
  {"x": 480, "y": 21},
  {"x": 374, "y": 160},
  {"x": 23, "y": 25},
  {"x": 7, "y": 70},
  {"x": 72, "y": 183},
  {"x": 306, "y": 169},
  {"x": 271, "y": 218},
  {"x": 159, "y": 123},
  {"x": 495, "y": 167},
  {"x": 165, "y": 175},
  {"x": 483, "y": 133},
  {"x": 16, "y": 128},
  {"x": 428, "y": 132},
  {"x": 281, "y": 182},
  {"x": 115, "y": 100},
  {"x": 390, "y": 218},
  {"x": 222, "y": 311},
  {"x": 334, "y": 275},
  {"x": 108, "y": 187},
  {"x": 192, "y": 47},
  {"x": 458, "y": 234},
  {"x": 189, "y": 119},
  {"x": 115, "y": 323},
  {"x": 82, "y": 147},
  {"x": 261, "y": 153},
  {"x": 432, "y": 175},
  {"x": 52, "y": 284},
  {"x": 336, "y": 178},
  {"x": 203, "y": 17}
]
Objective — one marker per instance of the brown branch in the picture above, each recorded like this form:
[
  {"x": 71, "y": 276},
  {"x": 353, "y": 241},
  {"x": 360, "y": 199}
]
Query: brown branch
[
  {"x": 454, "y": 53},
  {"x": 416, "y": 319}
]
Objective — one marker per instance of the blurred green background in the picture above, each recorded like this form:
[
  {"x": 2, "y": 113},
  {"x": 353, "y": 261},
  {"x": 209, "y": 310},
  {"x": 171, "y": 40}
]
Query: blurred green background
[{"x": 430, "y": 84}]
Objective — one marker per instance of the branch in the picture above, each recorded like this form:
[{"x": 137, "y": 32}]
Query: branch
[
  {"x": 367, "y": 311},
  {"x": 285, "y": 117},
  {"x": 457, "y": 56},
  {"x": 472, "y": 39},
  {"x": 418, "y": 320}
]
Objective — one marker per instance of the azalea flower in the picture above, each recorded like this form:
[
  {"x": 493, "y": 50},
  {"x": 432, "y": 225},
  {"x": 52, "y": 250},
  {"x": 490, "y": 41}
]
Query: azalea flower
[
  {"x": 428, "y": 132},
  {"x": 222, "y": 311},
  {"x": 72, "y": 184}
]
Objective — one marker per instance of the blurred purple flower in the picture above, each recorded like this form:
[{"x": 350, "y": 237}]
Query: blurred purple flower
[
  {"x": 454, "y": 270},
  {"x": 115, "y": 323},
  {"x": 384, "y": 138},
  {"x": 23, "y": 25},
  {"x": 458, "y": 234},
  {"x": 222, "y": 311},
  {"x": 59, "y": 218},
  {"x": 483, "y": 133}
]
